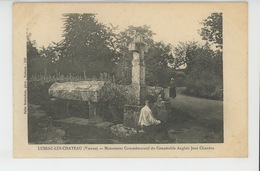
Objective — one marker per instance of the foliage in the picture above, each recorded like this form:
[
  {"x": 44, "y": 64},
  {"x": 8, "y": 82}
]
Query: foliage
[
  {"x": 131, "y": 32},
  {"x": 179, "y": 76},
  {"x": 183, "y": 53},
  {"x": 204, "y": 66},
  {"x": 212, "y": 29},
  {"x": 156, "y": 59},
  {"x": 205, "y": 75},
  {"x": 32, "y": 51},
  {"x": 52, "y": 53},
  {"x": 87, "y": 49},
  {"x": 86, "y": 45},
  {"x": 36, "y": 64},
  {"x": 90, "y": 48},
  {"x": 38, "y": 123},
  {"x": 123, "y": 72},
  {"x": 38, "y": 92},
  {"x": 69, "y": 78},
  {"x": 116, "y": 104}
]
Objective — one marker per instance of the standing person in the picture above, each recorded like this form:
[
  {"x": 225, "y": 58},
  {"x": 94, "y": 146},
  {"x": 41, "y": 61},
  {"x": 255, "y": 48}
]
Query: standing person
[{"x": 172, "y": 86}]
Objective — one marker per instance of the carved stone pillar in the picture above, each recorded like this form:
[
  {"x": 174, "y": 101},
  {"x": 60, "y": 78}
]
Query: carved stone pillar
[{"x": 138, "y": 47}]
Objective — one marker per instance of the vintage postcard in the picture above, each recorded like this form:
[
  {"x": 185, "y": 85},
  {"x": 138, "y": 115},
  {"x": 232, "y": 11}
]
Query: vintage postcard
[{"x": 130, "y": 80}]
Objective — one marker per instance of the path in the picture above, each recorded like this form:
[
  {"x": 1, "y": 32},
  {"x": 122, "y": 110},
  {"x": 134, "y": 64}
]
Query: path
[
  {"x": 198, "y": 107},
  {"x": 196, "y": 120}
]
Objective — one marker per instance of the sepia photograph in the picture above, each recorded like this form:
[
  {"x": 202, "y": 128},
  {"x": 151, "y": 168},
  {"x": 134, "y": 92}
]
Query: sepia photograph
[{"x": 126, "y": 73}]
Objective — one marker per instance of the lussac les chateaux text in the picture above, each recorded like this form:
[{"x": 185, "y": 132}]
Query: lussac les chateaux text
[{"x": 180, "y": 148}]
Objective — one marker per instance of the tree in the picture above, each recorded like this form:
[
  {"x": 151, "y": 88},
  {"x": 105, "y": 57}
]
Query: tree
[
  {"x": 52, "y": 54},
  {"x": 131, "y": 32},
  {"x": 184, "y": 53},
  {"x": 156, "y": 59},
  {"x": 86, "y": 46},
  {"x": 124, "y": 38},
  {"x": 36, "y": 64},
  {"x": 158, "y": 73},
  {"x": 204, "y": 69},
  {"x": 32, "y": 51},
  {"x": 212, "y": 29},
  {"x": 204, "y": 73},
  {"x": 205, "y": 76}
]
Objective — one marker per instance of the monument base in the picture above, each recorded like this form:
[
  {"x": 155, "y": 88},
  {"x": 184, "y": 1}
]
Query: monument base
[{"x": 131, "y": 115}]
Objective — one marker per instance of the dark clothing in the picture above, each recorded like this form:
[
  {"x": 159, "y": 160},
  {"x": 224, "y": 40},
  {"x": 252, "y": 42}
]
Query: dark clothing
[
  {"x": 172, "y": 89},
  {"x": 172, "y": 92}
]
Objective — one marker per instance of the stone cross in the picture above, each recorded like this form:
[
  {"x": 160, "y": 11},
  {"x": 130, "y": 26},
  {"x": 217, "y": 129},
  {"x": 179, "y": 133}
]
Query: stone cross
[{"x": 138, "y": 47}]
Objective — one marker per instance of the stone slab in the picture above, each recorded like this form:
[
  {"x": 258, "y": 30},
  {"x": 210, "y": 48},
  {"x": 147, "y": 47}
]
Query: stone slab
[{"x": 91, "y": 91}]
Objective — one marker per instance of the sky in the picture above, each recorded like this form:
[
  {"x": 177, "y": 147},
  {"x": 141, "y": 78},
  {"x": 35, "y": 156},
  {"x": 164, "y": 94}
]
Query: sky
[{"x": 172, "y": 23}]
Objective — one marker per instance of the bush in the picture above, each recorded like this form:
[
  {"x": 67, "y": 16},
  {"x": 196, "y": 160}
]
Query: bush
[
  {"x": 38, "y": 92},
  {"x": 205, "y": 75},
  {"x": 206, "y": 88},
  {"x": 179, "y": 77},
  {"x": 116, "y": 104}
]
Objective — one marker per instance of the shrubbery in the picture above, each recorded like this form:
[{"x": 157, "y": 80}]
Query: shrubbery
[
  {"x": 205, "y": 75},
  {"x": 38, "y": 92},
  {"x": 206, "y": 90}
]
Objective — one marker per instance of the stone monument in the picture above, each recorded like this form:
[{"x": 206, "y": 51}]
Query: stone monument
[
  {"x": 138, "y": 87},
  {"x": 92, "y": 94},
  {"x": 138, "y": 48}
]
